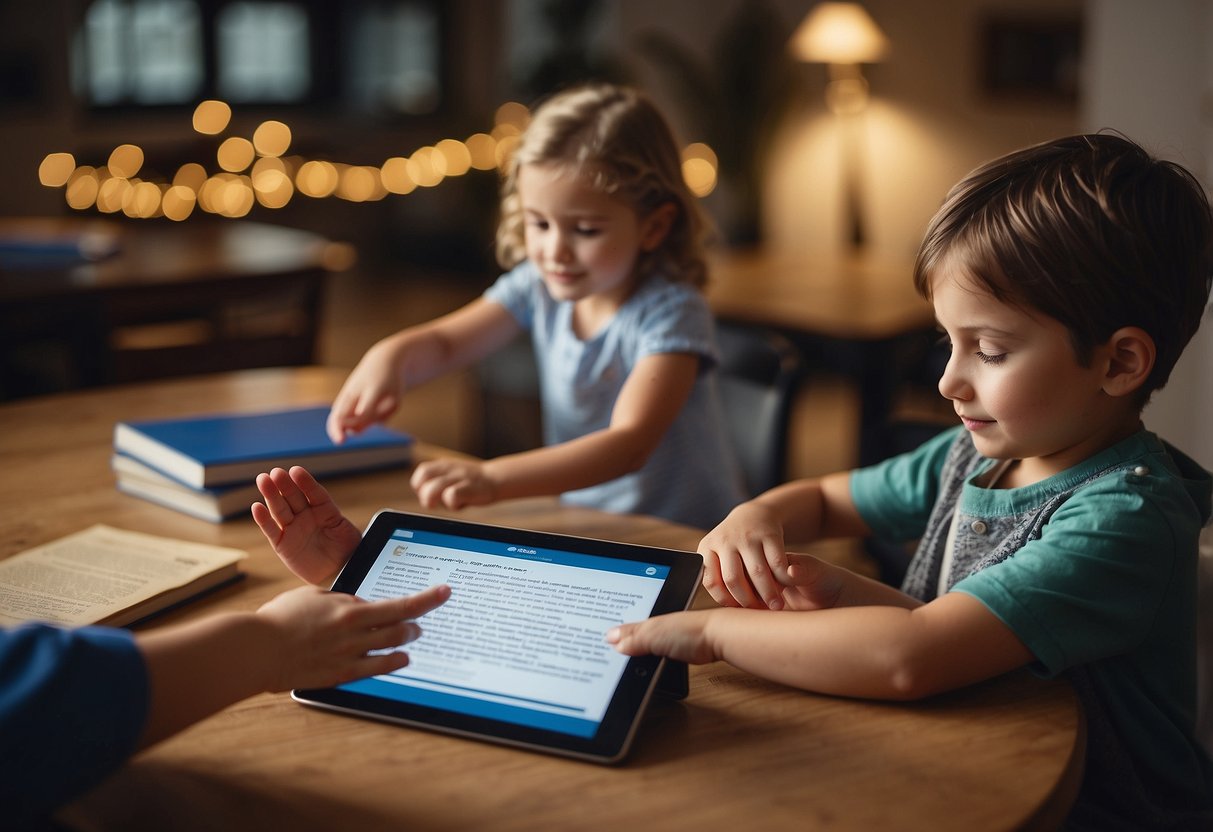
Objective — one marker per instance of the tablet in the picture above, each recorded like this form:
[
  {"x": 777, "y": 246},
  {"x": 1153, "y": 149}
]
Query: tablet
[{"x": 517, "y": 654}]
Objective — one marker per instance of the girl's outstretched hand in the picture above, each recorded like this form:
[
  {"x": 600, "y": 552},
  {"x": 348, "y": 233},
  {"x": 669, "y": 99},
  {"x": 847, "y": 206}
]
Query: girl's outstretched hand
[
  {"x": 371, "y": 393},
  {"x": 303, "y": 524}
]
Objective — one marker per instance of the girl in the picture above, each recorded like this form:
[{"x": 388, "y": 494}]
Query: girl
[{"x": 603, "y": 240}]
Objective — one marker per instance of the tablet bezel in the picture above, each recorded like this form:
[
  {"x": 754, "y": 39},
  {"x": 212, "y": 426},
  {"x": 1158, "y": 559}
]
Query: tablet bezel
[{"x": 610, "y": 744}]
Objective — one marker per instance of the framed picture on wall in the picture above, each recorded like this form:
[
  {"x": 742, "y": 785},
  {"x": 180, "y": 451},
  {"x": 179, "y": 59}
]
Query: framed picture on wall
[{"x": 1032, "y": 58}]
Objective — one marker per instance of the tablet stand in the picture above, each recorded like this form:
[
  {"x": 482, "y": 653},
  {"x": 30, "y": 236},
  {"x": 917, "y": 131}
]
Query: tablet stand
[{"x": 673, "y": 681}]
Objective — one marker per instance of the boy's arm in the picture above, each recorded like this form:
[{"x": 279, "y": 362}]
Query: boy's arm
[
  {"x": 414, "y": 356},
  {"x": 876, "y": 652},
  {"x": 651, "y": 398},
  {"x": 746, "y": 562}
]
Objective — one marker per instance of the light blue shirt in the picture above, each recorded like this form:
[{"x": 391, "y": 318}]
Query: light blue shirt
[{"x": 692, "y": 477}]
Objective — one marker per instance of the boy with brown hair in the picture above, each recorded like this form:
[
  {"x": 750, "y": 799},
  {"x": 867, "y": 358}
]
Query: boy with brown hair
[{"x": 1054, "y": 531}]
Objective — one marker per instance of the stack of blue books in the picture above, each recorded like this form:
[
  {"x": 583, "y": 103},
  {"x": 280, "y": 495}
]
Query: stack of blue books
[{"x": 206, "y": 465}]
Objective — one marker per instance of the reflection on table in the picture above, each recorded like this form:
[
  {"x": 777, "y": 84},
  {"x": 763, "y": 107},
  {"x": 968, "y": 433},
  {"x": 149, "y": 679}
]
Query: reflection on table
[{"x": 738, "y": 751}]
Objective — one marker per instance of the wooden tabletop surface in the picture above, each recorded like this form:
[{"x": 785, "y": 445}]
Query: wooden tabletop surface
[
  {"x": 739, "y": 753},
  {"x": 856, "y": 297}
]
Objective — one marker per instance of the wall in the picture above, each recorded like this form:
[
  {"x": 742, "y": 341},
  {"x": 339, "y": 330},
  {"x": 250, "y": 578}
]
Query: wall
[
  {"x": 928, "y": 124},
  {"x": 1160, "y": 97}
]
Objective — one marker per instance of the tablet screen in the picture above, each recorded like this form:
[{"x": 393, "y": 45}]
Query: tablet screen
[{"x": 518, "y": 652}]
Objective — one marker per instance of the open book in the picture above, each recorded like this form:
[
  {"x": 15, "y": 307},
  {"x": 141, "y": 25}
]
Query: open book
[{"x": 104, "y": 575}]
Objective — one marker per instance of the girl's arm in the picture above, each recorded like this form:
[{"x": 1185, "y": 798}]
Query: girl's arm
[
  {"x": 650, "y": 400},
  {"x": 414, "y": 356},
  {"x": 877, "y": 652}
]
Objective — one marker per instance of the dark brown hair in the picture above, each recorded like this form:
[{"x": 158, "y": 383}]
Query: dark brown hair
[{"x": 1089, "y": 230}]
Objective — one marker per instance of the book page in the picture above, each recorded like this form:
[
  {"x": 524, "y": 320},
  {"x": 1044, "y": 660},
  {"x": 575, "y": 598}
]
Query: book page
[{"x": 88, "y": 576}]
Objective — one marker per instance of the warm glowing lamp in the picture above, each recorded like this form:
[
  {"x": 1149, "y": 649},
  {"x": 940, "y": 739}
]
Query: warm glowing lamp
[{"x": 843, "y": 36}]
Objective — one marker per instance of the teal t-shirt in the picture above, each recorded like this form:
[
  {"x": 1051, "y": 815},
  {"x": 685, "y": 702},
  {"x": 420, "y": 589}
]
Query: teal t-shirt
[{"x": 1094, "y": 569}]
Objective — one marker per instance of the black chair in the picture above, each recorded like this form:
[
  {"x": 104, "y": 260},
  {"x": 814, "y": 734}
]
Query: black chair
[
  {"x": 759, "y": 371},
  {"x": 510, "y": 416}
]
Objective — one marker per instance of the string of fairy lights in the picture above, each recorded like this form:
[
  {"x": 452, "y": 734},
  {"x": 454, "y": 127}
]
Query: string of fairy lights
[{"x": 258, "y": 171}]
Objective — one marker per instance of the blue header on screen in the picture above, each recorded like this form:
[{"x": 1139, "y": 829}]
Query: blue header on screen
[{"x": 513, "y": 550}]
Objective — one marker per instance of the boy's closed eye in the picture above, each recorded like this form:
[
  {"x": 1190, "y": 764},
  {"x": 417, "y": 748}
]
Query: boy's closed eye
[{"x": 984, "y": 354}]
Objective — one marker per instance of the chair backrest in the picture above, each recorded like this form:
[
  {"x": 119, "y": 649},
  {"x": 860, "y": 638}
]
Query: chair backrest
[
  {"x": 760, "y": 372},
  {"x": 510, "y": 417}
]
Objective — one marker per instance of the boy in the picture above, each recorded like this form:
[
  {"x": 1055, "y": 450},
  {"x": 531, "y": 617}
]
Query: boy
[{"x": 1054, "y": 531}]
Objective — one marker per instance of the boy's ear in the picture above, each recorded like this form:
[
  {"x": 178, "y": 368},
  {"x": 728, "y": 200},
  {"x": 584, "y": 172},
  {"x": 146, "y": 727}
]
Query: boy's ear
[
  {"x": 655, "y": 227},
  {"x": 1131, "y": 353}
]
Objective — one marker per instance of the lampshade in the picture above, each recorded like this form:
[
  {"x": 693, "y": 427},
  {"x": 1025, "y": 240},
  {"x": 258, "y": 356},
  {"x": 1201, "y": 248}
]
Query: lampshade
[{"x": 839, "y": 33}]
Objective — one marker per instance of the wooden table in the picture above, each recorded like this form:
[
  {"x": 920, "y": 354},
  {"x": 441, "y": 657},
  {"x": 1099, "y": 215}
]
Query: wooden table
[
  {"x": 162, "y": 299},
  {"x": 738, "y": 753},
  {"x": 859, "y": 312}
]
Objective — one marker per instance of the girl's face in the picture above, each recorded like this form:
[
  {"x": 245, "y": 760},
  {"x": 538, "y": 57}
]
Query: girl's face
[
  {"x": 584, "y": 242},
  {"x": 1016, "y": 383}
]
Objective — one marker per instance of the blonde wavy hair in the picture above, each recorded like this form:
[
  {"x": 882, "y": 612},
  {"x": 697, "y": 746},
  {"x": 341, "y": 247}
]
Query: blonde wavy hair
[{"x": 620, "y": 143}]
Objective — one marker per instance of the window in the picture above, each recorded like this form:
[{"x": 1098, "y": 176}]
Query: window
[
  {"x": 263, "y": 53},
  {"x": 139, "y": 52},
  {"x": 395, "y": 58},
  {"x": 377, "y": 56}
]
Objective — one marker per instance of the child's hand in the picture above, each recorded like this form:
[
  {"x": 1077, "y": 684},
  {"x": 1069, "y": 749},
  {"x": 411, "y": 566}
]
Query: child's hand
[
  {"x": 323, "y": 638},
  {"x": 370, "y": 394},
  {"x": 745, "y": 564},
  {"x": 678, "y": 635},
  {"x": 303, "y": 524},
  {"x": 453, "y": 483}
]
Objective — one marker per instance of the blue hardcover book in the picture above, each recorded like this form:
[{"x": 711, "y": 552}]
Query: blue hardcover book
[
  {"x": 216, "y": 504},
  {"x": 222, "y": 449}
]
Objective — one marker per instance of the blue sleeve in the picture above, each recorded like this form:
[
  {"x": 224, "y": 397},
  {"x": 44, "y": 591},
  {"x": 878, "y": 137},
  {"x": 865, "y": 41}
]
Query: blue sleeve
[
  {"x": 73, "y": 703},
  {"x": 676, "y": 318},
  {"x": 895, "y": 497},
  {"x": 515, "y": 290}
]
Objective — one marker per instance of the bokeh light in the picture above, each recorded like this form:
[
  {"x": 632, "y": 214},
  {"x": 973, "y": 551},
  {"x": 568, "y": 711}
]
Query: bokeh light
[
  {"x": 235, "y": 154},
  {"x": 179, "y": 202},
  {"x": 125, "y": 161},
  {"x": 257, "y": 171},
  {"x": 272, "y": 138},
  {"x": 211, "y": 117},
  {"x": 56, "y": 169}
]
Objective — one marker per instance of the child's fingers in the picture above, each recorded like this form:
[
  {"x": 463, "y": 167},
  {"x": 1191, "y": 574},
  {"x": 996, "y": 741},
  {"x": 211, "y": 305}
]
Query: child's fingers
[
  {"x": 291, "y": 494},
  {"x": 626, "y": 640},
  {"x": 713, "y": 581},
  {"x": 736, "y": 580},
  {"x": 272, "y": 497},
  {"x": 312, "y": 491},
  {"x": 265, "y": 522},
  {"x": 765, "y": 582},
  {"x": 392, "y": 610}
]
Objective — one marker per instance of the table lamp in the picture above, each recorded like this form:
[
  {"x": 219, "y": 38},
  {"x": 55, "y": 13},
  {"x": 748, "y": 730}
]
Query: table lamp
[{"x": 843, "y": 36}]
